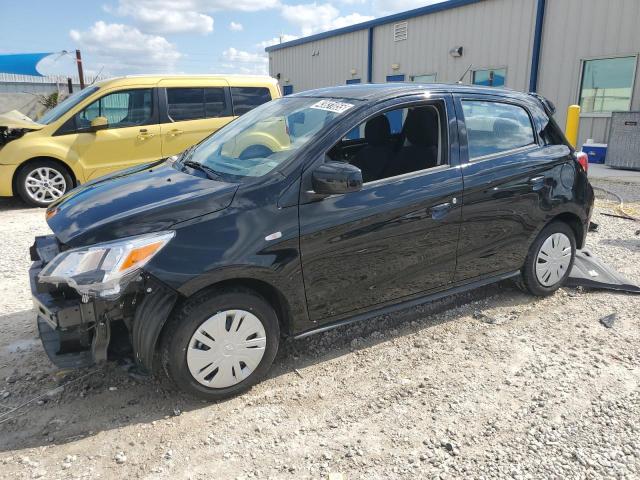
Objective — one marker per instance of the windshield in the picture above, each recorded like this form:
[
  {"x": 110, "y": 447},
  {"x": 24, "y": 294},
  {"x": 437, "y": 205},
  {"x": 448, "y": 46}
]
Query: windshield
[
  {"x": 259, "y": 141},
  {"x": 63, "y": 107}
]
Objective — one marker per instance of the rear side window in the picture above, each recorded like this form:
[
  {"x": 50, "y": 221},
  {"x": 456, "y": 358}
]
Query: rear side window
[
  {"x": 494, "y": 127},
  {"x": 248, "y": 98},
  {"x": 196, "y": 103}
]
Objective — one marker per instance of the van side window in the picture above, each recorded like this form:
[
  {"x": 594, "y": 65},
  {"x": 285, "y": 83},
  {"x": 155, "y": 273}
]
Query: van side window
[
  {"x": 196, "y": 103},
  {"x": 126, "y": 108},
  {"x": 248, "y": 98},
  {"x": 418, "y": 142},
  {"x": 494, "y": 127},
  {"x": 185, "y": 103}
]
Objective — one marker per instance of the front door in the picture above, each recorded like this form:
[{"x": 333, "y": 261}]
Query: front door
[
  {"x": 507, "y": 173},
  {"x": 192, "y": 113},
  {"x": 395, "y": 238},
  {"x": 132, "y": 136}
]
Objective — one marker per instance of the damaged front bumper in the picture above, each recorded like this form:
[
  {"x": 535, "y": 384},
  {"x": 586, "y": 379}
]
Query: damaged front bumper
[{"x": 76, "y": 331}]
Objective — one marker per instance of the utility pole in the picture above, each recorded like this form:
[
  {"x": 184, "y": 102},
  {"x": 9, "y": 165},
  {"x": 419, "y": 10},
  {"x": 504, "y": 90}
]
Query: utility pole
[
  {"x": 69, "y": 85},
  {"x": 80, "y": 73}
]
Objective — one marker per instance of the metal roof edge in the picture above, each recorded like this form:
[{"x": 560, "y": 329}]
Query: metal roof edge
[{"x": 416, "y": 12}]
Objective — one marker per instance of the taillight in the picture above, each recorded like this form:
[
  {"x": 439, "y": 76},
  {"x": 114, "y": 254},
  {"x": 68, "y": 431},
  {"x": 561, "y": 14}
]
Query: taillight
[{"x": 583, "y": 160}]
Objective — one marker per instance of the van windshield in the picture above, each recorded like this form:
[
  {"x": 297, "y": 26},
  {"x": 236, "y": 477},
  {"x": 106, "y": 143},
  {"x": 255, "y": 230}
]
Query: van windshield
[
  {"x": 67, "y": 104},
  {"x": 261, "y": 140}
]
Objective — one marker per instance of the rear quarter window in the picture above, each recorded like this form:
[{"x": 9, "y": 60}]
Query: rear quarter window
[
  {"x": 247, "y": 98},
  {"x": 494, "y": 127}
]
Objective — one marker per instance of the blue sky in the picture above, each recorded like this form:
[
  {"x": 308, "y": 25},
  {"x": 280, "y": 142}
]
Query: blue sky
[{"x": 190, "y": 36}]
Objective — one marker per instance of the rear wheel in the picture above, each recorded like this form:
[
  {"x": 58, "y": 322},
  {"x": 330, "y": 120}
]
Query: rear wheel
[
  {"x": 219, "y": 345},
  {"x": 42, "y": 182},
  {"x": 550, "y": 259}
]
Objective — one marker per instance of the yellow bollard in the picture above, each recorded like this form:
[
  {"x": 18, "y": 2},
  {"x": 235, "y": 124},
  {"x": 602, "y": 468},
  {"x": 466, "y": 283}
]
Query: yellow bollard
[{"x": 573, "y": 124}]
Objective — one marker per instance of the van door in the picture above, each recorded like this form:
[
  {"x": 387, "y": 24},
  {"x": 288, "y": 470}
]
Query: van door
[
  {"x": 192, "y": 113},
  {"x": 132, "y": 136}
]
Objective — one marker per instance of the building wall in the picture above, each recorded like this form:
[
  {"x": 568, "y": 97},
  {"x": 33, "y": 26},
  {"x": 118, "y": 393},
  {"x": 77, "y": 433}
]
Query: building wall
[
  {"x": 582, "y": 29},
  {"x": 322, "y": 63},
  {"x": 493, "y": 33}
]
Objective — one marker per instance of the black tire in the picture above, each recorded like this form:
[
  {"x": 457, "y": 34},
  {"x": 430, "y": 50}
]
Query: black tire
[
  {"x": 529, "y": 278},
  {"x": 191, "y": 315},
  {"x": 255, "y": 151},
  {"x": 32, "y": 166}
]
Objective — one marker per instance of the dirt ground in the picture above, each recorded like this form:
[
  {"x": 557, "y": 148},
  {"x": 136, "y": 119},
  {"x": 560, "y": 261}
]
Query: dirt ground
[{"x": 490, "y": 384}]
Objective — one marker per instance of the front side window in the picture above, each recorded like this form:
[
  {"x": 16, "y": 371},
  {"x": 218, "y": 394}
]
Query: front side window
[
  {"x": 380, "y": 152},
  {"x": 490, "y": 78},
  {"x": 266, "y": 137},
  {"x": 494, "y": 127},
  {"x": 126, "y": 108},
  {"x": 248, "y": 98},
  {"x": 607, "y": 84}
]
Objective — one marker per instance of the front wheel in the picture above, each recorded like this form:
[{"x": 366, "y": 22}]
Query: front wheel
[
  {"x": 41, "y": 182},
  {"x": 550, "y": 259},
  {"x": 221, "y": 344}
]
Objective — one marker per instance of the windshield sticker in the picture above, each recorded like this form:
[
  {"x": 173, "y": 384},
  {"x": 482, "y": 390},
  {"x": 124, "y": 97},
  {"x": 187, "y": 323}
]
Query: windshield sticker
[{"x": 332, "y": 106}]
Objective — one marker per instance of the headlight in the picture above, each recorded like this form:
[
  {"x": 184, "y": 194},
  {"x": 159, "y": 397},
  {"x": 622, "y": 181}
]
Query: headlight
[{"x": 105, "y": 269}]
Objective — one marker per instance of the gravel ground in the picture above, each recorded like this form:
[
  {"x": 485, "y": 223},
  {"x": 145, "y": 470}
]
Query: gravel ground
[{"x": 490, "y": 384}]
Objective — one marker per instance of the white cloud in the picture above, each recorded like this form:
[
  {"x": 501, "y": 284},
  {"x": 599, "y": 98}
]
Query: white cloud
[
  {"x": 125, "y": 49},
  {"x": 168, "y": 16},
  {"x": 386, "y": 7},
  {"x": 275, "y": 40},
  {"x": 245, "y": 62},
  {"x": 313, "y": 17},
  {"x": 236, "y": 27}
]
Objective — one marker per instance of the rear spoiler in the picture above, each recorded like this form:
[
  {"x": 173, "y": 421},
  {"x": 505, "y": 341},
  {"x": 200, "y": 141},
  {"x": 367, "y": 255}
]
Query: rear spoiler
[{"x": 548, "y": 105}]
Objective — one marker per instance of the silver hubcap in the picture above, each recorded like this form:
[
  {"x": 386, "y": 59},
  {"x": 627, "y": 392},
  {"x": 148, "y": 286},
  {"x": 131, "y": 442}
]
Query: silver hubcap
[
  {"x": 226, "y": 348},
  {"x": 45, "y": 184},
  {"x": 553, "y": 259}
]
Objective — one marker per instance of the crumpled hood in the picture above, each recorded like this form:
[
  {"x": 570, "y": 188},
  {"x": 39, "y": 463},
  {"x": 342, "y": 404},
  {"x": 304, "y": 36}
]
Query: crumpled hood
[
  {"x": 138, "y": 200},
  {"x": 15, "y": 119}
]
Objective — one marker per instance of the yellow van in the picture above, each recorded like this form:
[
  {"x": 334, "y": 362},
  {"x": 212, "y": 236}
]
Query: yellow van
[{"x": 116, "y": 124}]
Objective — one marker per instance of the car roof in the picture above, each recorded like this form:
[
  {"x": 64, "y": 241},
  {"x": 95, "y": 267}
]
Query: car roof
[
  {"x": 380, "y": 91},
  {"x": 151, "y": 80}
]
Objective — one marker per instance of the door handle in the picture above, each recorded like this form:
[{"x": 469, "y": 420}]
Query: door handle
[
  {"x": 440, "y": 211},
  {"x": 175, "y": 132},
  {"x": 144, "y": 134},
  {"x": 537, "y": 183}
]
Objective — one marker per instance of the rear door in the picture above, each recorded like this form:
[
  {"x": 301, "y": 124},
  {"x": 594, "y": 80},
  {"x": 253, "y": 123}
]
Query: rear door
[
  {"x": 508, "y": 181},
  {"x": 395, "y": 238},
  {"x": 192, "y": 111}
]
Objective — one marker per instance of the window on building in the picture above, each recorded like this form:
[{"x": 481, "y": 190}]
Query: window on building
[
  {"x": 287, "y": 90},
  {"x": 248, "y": 98},
  {"x": 490, "y": 78},
  {"x": 126, "y": 108},
  {"x": 353, "y": 81},
  {"x": 494, "y": 127},
  {"x": 607, "y": 84},
  {"x": 428, "y": 78}
]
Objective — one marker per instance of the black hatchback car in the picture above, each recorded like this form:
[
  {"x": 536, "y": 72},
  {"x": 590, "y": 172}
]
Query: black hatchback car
[{"x": 306, "y": 213}]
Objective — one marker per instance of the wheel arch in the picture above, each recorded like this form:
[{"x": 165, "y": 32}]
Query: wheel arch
[
  {"x": 24, "y": 164},
  {"x": 575, "y": 223},
  {"x": 149, "y": 327}
]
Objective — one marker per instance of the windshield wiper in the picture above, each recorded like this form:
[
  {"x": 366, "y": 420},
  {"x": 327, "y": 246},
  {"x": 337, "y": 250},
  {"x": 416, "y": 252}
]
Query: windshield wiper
[{"x": 211, "y": 173}]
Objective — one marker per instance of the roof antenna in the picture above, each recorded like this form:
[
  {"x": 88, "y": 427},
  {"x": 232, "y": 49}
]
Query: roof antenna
[{"x": 465, "y": 73}]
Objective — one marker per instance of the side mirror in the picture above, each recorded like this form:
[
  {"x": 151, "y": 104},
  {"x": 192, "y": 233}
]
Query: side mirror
[
  {"x": 99, "y": 123},
  {"x": 336, "y": 177}
]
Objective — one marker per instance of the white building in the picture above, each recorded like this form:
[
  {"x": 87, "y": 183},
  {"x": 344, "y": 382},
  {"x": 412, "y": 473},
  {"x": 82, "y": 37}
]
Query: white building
[{"x": 571, "y": 51}]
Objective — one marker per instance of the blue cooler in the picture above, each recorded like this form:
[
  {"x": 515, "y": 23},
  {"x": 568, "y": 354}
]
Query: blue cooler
[{"x": 596, "y": 152}]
